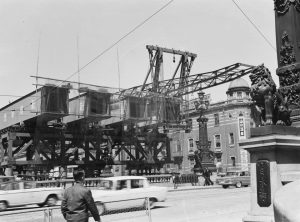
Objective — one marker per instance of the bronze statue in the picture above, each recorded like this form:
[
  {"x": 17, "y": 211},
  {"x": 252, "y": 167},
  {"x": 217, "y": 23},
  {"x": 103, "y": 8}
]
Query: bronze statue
[{"x": 270, "y": 105}]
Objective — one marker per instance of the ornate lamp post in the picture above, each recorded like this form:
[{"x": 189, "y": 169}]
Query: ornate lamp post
[
  {"x": 202, "y": 120},
  {"x": 204, "y": 157}
]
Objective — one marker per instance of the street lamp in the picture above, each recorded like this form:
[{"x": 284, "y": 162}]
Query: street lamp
[
  {"x": 203, "y": 153},
  {"x": 201, "y": 107}
]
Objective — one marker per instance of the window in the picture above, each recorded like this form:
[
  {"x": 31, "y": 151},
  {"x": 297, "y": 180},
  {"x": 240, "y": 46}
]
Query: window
[
  {"x": 121, "y": 184},
  {"x": 178, "y": 146},
  {"x": 191, "y": 144},
  {"x": 29, "y": 185},
  {"x": 218, "y": 142},
  {"x": 106, "y": 185},
  {"x": 217, "y": 121},
  {"x": 136, "y": 184},
  {"x": 239, "y": 95},
  {"x": 231, "y": 139},
  {"x": 233, "y": 160},
  {"x": 197, "y": 143}
]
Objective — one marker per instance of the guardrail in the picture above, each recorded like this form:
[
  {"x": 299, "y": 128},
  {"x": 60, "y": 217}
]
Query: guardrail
[{"x": 93, "y": 182}]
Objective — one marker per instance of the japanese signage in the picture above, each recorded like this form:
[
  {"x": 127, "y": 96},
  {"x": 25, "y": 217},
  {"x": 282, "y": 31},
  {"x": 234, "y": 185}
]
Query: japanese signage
[
  {"x": 263, "y": 183},
  {"x": 241, "y": 122}
]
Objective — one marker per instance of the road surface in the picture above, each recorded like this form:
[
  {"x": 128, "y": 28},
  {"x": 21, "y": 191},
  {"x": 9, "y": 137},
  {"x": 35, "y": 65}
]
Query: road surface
[{"x": 210, "y": 205}]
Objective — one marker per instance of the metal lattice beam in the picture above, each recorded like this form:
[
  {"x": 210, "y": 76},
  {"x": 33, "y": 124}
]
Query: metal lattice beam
[{"x": 194, "y": 83}]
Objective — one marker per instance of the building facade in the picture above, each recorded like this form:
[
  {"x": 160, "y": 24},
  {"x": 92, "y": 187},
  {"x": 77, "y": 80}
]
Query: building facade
[{"x": 228, "y": 123}]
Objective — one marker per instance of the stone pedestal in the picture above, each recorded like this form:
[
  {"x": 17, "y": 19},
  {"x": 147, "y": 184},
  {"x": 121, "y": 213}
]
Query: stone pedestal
[{"x": 275, "y": 161}]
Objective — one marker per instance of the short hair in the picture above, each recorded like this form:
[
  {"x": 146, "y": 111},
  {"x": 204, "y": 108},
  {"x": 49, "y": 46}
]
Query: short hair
[{"x": 78, "y": 174}]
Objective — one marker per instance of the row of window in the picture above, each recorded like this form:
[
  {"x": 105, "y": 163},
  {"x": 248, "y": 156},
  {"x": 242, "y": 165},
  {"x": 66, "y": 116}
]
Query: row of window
[
  {"x": 239, "y": 95},
  {"x": 217, "y": 118},
  {"x": 217, "y": 142}
]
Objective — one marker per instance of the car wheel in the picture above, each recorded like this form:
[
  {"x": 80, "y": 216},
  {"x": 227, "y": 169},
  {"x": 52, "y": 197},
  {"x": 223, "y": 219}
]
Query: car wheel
[
  {"x": 3, "y": 205},
  {"x": 238, "y": 184},
  {"x": 225, "y": 186},
  {"x": 51, "y": 200},
  {"x": 101, "y": 208}
]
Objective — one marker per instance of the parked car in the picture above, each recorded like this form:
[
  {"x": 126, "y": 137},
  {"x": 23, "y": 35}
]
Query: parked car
[
  {"x": 4, "y": 179},
  {"x": 20, "y": 193},
  {"x": 237, "y": 178},
  {"x": 124, "y": 192}
]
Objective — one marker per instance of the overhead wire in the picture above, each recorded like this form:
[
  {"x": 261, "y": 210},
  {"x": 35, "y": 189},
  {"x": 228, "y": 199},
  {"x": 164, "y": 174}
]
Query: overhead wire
[
  {"x": 114, "y": 44},
  {"x": 123, "y": 37},
  {"x": 255, "y": 26}
]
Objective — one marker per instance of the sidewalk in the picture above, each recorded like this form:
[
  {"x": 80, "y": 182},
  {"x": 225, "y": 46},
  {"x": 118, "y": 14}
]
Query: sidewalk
[
  {"x": 183, "y": 187},
  {"x": 188, "y": 186}
]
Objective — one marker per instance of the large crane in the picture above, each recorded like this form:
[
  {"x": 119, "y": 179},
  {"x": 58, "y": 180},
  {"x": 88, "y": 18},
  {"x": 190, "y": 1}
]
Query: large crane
[
  {"x": 87, "y": 133},
  {"x": 165, "y": 97}
]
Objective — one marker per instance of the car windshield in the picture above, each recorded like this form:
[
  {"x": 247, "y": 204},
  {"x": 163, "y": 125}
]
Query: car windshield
[{"x": 105, "y": 185}]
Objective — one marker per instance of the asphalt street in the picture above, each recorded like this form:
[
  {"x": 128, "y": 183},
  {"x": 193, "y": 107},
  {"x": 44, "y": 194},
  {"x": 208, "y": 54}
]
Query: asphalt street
[{"x": 185, "y": 204}]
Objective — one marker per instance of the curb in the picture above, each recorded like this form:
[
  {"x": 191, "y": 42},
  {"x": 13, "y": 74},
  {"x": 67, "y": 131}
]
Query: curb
[{"x": 194, "y": 188}]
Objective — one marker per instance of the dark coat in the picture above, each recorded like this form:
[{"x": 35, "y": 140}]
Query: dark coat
[{"x": 77, "y": 201}]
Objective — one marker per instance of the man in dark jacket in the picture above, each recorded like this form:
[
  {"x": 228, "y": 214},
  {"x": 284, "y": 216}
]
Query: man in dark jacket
[{"x": 78, "y": 201}]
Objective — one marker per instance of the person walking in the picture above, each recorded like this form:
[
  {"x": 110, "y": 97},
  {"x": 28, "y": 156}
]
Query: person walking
[
  {"x": 206, "y": 174},
  {"x": 209, "y": 173},
  {"x": 206, "y": 183},
  {"x": 77, "y": 201}
]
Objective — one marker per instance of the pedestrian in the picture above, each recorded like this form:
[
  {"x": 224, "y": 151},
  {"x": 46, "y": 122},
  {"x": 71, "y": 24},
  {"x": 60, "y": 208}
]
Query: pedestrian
[
  {"x": 205, "y": 177},
  {"x": 77, "y": 201},
  {"x": 206, "y": 174},
  {"x": 209, "y": 173},
  {"x": 176, "y": 180}
]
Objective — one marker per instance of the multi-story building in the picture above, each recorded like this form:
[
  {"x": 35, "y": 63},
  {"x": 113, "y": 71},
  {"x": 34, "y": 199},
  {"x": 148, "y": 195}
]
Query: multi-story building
[{"x": 229, "y": 122}]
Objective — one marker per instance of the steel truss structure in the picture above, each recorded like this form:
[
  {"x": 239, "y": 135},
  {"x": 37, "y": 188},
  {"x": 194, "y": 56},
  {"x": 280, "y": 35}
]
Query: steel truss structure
[{"x": 82, "y": 130}]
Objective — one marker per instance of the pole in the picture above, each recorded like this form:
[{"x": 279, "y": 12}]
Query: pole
[{"x": 148, "y": 210}]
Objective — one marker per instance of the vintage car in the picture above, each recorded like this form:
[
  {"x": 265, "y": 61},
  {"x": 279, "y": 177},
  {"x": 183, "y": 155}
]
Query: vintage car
[
  {"x": 4, "y": 179},
  {"x": 124, "y": 192},
  {"x": 20, "y": 193},
  {"x": 236, "y": 178}
]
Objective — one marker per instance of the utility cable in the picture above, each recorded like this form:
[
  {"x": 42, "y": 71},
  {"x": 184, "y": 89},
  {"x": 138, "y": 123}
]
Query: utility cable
[
  {"x": 255, "y": 26},
  {"x": 118, "y": 41},
  {"x": 115, "y": 43}
]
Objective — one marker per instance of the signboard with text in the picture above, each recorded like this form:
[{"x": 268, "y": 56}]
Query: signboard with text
[{"x": 263, "y": 183}]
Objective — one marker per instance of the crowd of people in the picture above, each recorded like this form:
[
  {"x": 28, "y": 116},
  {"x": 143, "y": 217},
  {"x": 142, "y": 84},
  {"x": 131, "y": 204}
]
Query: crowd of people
[{"x": 178, "y": 178}]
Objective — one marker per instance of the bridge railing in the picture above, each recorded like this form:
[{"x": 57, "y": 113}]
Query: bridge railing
[{"x": 93, "y": 182}]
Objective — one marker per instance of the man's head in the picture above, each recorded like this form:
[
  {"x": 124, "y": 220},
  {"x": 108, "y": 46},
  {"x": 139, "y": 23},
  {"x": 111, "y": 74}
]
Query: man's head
[{"x": 78, "y": 174}]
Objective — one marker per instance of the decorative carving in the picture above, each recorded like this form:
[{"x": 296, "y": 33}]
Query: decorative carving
[
  {"x": 291, "y": 94},
  {"x": 287, "y": 55},
  {"x": 263, "y": 183},
  {"x": 283, "y": 6},
  {"x": 289, "y": 77},
  {"x": 270, "y": 106},
  {"x": 282, "y": 110},
  {"x": 290, "y": 85}
]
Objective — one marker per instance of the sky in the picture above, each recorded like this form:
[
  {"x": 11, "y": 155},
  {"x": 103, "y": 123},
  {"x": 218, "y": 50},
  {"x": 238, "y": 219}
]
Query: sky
[{"x": 52, "y": 38}]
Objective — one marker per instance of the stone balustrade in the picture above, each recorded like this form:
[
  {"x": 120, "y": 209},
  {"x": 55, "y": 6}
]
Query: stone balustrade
[{"x": 93, "y": 182}]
